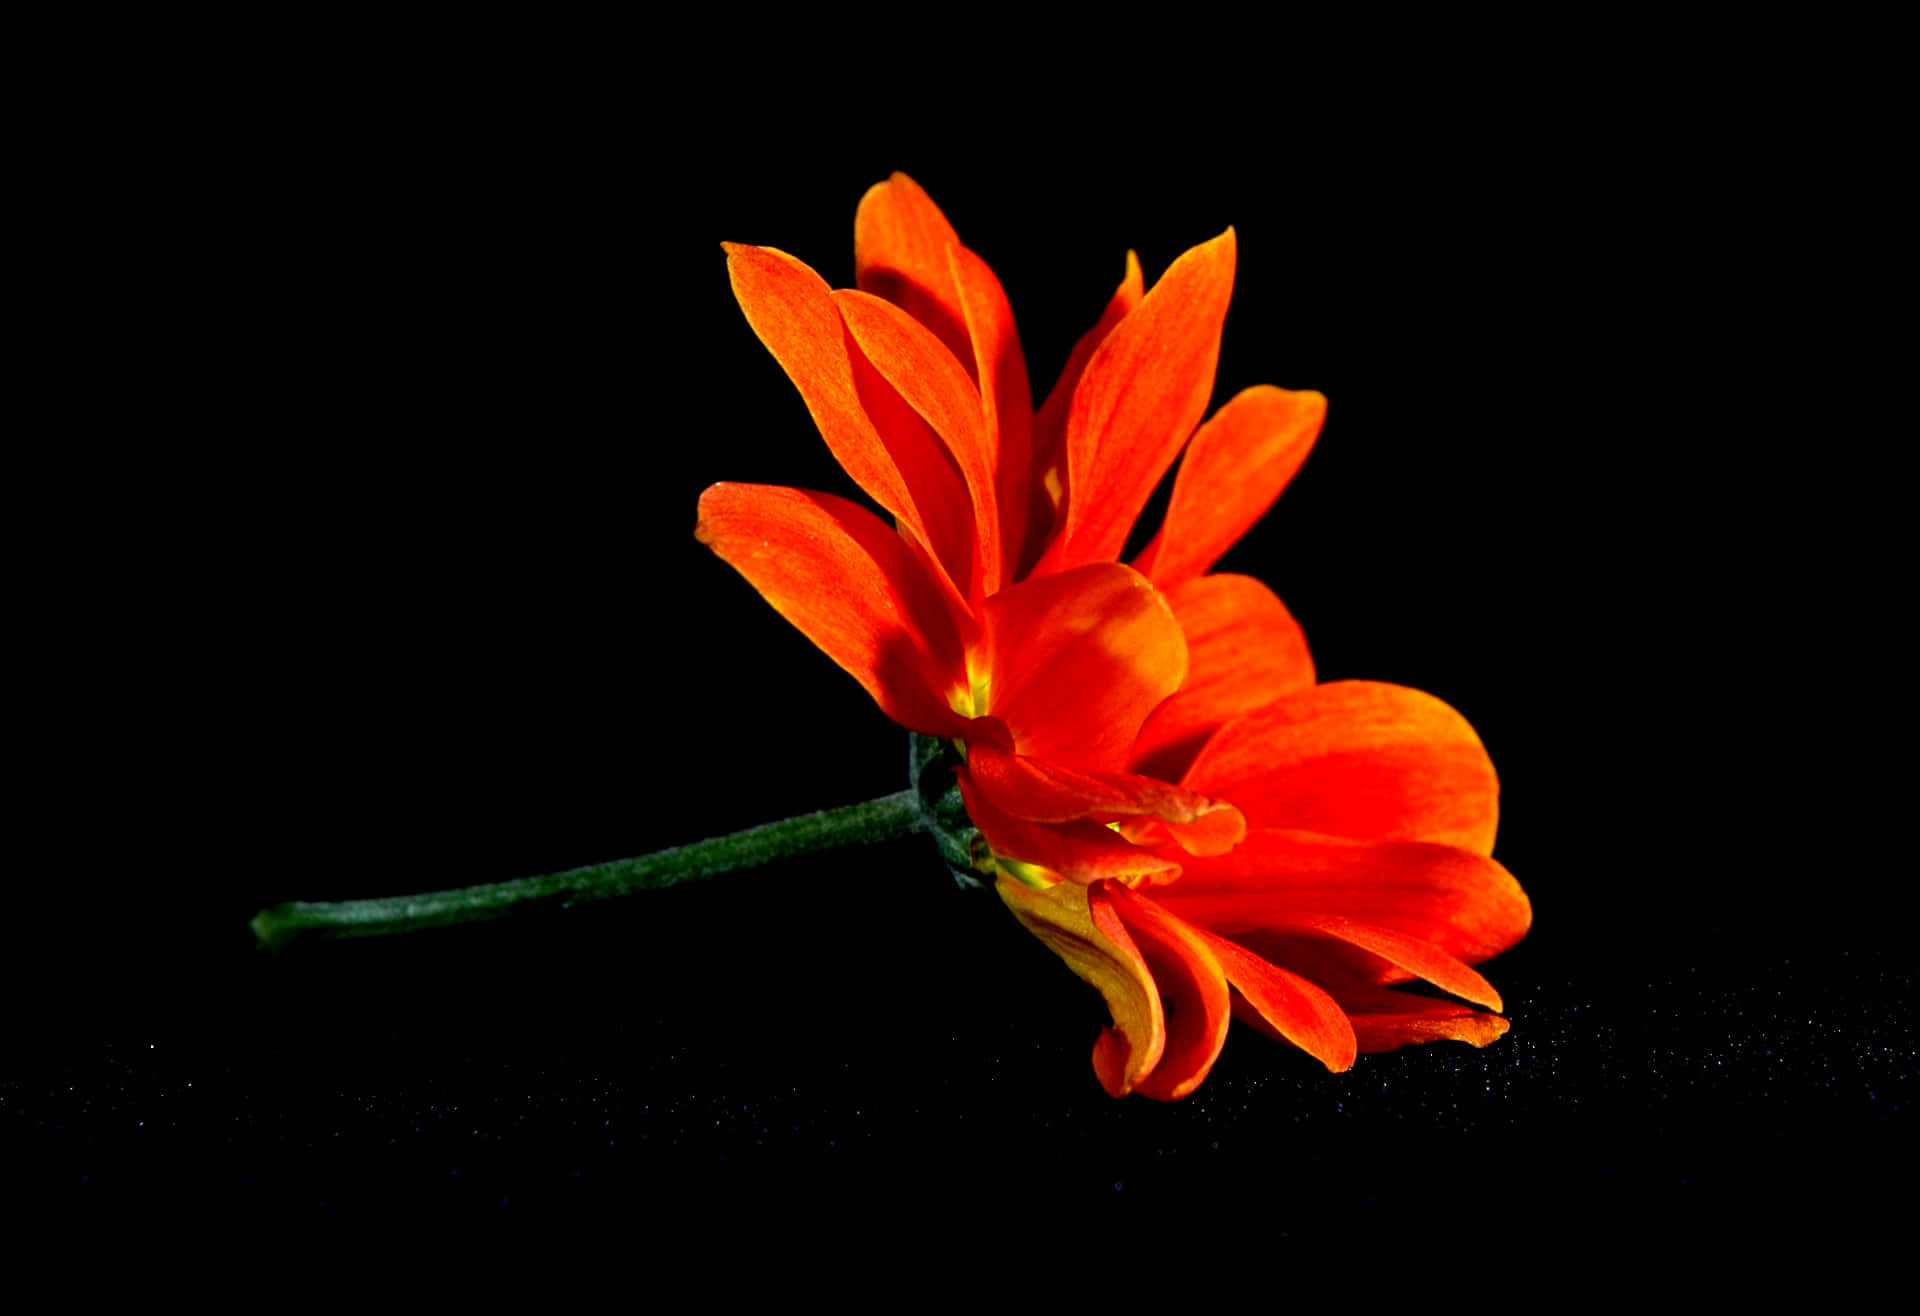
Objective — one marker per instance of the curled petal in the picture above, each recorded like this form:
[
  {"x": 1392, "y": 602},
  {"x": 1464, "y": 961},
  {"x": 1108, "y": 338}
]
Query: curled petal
[
  {"x": 1359, "y": 759},
  {"x": 1236, "y": 466},
  {"x": 900, "y": 245},
  {"x": 1080, "y": 849},
  {"x": 1340, "y": 957},
  {"x": 1193, "y": 994},
  {"x": 1078, "y": 923},
  {"x": 1050, "y": 426},
  {"x": 1421, "y": 959},
  {"x": 1074, "y": 663},
  {"x": 851, "y": 585},
  {"x": 1383, "y": 1020},
  {"x": 1006, "y": 399},
  {"x": 873, "y": 433},
  {"x": 1045, "y": 792},
  {"x": 1142, "y": 393},
  {"x": 1282, "y": 1004},
  {"x": 1460, "y": 902},
  {"x": 926, "y": 375},
  {"x": 1244, "y": 649}
]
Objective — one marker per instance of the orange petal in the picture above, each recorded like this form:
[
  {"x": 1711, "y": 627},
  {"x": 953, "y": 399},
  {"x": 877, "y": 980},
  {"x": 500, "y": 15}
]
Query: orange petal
[
  {"x": 1006, "y": 399},
  {"x": 1359, "y": 759},
  {"x": 1138, "y": 401},
  {"x": 1284, "y": 1005},
  {"x": 1420, "y": 958},
  {"x": 1233, "y": 470},
  {"x": 1244, "y": 649},
  {"x": 1045, "y": 792},
  {"x": 879, "y": 440},
  {"x": 1460, "y": 902},
  {"x": 900, "y": 246},
  {"x": 1074, "y": 663},
  {"x": 1193, "y": 993},
  {"x": 1078, "y": 923},
  {"x": 1080, "y": 849},
  {"x": 852, "y": 586},
  {"x": 1383, "y": 1020},
  {"x": 1050, "y": 426},
  {"x": 925, "y": 374}
]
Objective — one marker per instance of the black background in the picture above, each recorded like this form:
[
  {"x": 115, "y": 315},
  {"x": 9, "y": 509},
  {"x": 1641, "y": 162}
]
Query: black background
[{"x": 371, "y": 569}]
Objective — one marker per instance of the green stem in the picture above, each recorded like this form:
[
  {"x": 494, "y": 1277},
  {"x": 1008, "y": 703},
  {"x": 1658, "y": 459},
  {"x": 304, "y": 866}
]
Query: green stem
[{"x": 856, "y": 824}]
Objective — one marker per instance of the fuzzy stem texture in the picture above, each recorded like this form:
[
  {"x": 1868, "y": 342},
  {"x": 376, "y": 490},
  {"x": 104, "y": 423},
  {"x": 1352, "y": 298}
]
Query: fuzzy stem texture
[{"x": 856, "y": 824}]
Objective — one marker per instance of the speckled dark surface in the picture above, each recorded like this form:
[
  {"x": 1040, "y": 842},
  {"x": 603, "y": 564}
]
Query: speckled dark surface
[
  {"x": 623, "y": 1071},
  {"x": 420, "y": 604}
]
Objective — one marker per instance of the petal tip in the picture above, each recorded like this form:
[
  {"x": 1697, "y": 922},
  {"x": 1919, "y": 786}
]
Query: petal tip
[
  {"x": 1110, "y": 1053},
  {"x": 702, "y": 527},
  {"x": 1491, "y": 1031}
]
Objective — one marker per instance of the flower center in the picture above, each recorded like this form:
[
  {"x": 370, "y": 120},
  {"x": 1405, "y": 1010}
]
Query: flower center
[{"x": 971, "y": 702}]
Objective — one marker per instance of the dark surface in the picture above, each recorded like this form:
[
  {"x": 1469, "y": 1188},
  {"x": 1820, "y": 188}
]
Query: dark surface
[
  {"x": 670, "y": 1065},
  {"x": 404, "y": 593}
]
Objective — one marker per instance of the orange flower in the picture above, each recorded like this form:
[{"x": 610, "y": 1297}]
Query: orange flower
[
  {"x": 1371, "y": 812},
  {"x": 1124, "y": 726},
  {"x": 1047, "y": 672}
]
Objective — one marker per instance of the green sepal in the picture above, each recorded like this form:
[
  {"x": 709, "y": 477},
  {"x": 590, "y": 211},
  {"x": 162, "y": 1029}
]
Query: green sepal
[{"x": 930, "y": 765}]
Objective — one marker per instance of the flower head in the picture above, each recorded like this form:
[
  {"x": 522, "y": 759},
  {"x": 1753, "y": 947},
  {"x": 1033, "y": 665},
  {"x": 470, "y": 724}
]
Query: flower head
[{"x": 1167, "y": 798}]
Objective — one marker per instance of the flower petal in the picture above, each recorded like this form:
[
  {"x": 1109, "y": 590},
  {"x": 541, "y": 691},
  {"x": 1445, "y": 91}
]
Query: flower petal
[
  {"x": 1079, "y": 849},
  {"x": 1244, "y": 649},
  {"x": 1383, "y": 1020},
  {"x": 1360, "y": 759},
  {"x": 879, "y": 440},
  {"x": 1193, "y": 994},
  {"x": 853, "y": 586},
  {"x": 1046, "y": 792},
  {"x": 1050, "y": 426},
  {"x": 1282, "y": 1004},
  {"x": 1006, "y": 399},
  {"x": 1078, "y": 923},
  {"x": 1412, "y": 955},
  {"x": 900, "y": 245},
  {"x": 926, "y": 375},
  {"x": 1236, "y": 466},
  {"x": 1460, "y": 902},
  {"x": 1141, "y": 395},
  {"x": 1074, "y": 663}
]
